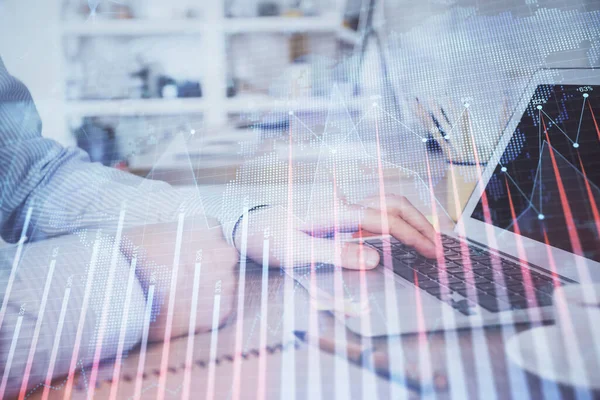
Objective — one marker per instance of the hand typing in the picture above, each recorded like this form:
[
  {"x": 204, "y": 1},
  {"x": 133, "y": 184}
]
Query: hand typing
[{"x": 296, "y": 243}]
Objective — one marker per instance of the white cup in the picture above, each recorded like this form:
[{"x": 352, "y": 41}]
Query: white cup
[{"x": 577, "y": 315}]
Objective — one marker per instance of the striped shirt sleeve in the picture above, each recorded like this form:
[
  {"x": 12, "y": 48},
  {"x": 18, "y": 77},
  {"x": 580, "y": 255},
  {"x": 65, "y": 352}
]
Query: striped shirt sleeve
[{"x": 64, "y": 192}]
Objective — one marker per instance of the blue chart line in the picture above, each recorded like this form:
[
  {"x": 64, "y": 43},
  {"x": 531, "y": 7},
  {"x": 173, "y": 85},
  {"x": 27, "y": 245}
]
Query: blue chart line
[
  {"x": 540, "y": 147},
  {"x": 542, "y": 144},
  {"x": 580, "y": 119},
  {"x": 556, "y": 125},
  {"x": 60, "y": 386}
]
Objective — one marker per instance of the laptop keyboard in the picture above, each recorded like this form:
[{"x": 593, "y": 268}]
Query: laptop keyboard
[{"x": 494, "y": 283}]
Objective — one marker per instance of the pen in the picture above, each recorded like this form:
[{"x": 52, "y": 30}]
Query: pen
[{"x": 377, "y": 361}]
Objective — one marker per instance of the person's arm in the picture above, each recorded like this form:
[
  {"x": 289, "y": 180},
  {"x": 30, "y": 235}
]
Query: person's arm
[{"x": 63, "y": 191}]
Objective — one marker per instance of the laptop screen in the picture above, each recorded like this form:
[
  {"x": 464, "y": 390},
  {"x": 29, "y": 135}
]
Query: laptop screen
[{"x": 547, "y": 184}]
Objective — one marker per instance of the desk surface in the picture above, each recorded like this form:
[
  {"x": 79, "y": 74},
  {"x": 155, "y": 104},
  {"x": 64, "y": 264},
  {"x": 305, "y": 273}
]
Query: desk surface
[
  {"x": 467, "y": 349},
  {"x": 477, "y": 354},
  {"x": 474, "y": 360}
]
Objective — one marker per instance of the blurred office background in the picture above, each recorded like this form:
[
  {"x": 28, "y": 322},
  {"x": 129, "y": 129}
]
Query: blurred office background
[
  {"x": 115, "y": 77},
  {"x": 124, "y": 79}
]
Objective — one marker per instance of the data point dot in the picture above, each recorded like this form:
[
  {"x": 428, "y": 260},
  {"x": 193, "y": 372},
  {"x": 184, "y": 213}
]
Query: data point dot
[
  {"x": 467, "y": 105},
  {"x": 424, "y": 140},
  {"x": 503, "y": 169},
  {"x": 446, "y": 137},
  {"x": 539, "y": 107},
  {"x": 193, "y": 131},
  {"x": 576, "y": 145},
  {"x": 374, "y": 103},
  {"x": 541, "y": 216},
  {"x": 291, "y": 113},
  {"x": 586, "y": 95}
]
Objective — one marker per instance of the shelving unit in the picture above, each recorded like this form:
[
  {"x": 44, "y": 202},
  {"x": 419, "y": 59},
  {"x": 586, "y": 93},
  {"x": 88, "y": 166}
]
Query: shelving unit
[
  {"x": 132, "y": 27},
  {"x": 90, "y": 108},
  {"x": 239, "y": 104},
  {"x": 327, "y": 23},
  {"x": 213, "y": 31},
  {"x": 250, "y": 103}
]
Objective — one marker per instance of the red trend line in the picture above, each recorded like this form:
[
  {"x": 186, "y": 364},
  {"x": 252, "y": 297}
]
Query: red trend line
[
  {"x": 464, "y": 248},
  {"x": 436, "y": 222},
  {"x": 385, "y": 225},
  {"x": 338, "y": 283},
  {"x": 594, "y": 119},
  {"x": 82, "y": 318},
  {"x": 571, "y": 228},
  {"x": 364, "y": 294},
  {"x": 521, "y": 249},
  {"x": 396, "y": 359},
  {"x": 513, "y": 215},
  {"x": 561, "y": 303},
  {"x": 163, "y": 369},
  {"x": 439, "y": 256},
  {"x": 487, "y": 215},
  {"x": 555, "y": 278},
  {"x": 567, "y": 328},
  {"x": 588, "y": 189},
  {"x": 313, "y": 324},
  {"x": 289, "y": 255}
]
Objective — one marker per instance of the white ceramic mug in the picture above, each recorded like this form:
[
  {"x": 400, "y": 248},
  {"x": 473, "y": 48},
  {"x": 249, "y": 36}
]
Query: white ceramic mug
[{"x": 577, "y": 315}]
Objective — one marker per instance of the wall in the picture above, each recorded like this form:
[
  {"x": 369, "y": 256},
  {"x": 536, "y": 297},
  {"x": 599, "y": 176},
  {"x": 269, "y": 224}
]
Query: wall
[{"x": 30, "y": 48}]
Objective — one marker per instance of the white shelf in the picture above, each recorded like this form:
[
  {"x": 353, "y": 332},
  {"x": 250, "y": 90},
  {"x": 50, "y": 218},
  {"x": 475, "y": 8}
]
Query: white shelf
[
  {"x": 88, "y": 108},
  {"x": 282, "y": 24},
  {"x": 212, "y": 33},
  {"x": 256, "y": 103},
  {"x": 349, "y": 36},
  {"x": 239, "y": 104},
  {"x": 132, "y": 27}
]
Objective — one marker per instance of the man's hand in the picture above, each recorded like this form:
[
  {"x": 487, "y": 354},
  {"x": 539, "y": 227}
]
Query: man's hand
[
  {"x": 297, "y": 243},
  {"x": 156, "y": 247}
]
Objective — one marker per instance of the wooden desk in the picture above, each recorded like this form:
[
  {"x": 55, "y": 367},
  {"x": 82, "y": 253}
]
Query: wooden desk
[
  {"x": 469, "y": 345},
  {"x": 449, "y": 352},
  {"x": 474, "y": 360}
]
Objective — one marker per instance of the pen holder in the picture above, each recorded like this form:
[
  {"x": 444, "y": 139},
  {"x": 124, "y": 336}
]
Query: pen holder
[
  {"x": 457, "y": 129},
  {"x": 460, "y": 183}
]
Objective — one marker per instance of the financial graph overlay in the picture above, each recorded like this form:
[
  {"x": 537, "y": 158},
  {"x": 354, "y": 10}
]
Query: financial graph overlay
[
  {"x": 547, "y": 181},
  {"x": 95, "y": 319}
]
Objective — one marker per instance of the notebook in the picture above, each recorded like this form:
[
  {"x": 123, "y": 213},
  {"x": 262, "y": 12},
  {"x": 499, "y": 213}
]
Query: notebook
[{"x": 265, "y": 373}]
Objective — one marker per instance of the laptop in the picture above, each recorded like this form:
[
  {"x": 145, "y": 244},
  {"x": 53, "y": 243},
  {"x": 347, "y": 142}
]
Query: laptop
[{"x": 531, "y": 224}]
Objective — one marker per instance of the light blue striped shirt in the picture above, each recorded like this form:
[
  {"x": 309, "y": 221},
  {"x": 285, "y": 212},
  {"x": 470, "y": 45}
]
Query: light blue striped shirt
[
  {"x": 66, "y": 192},
  {"x": 55, "y": 191}
]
